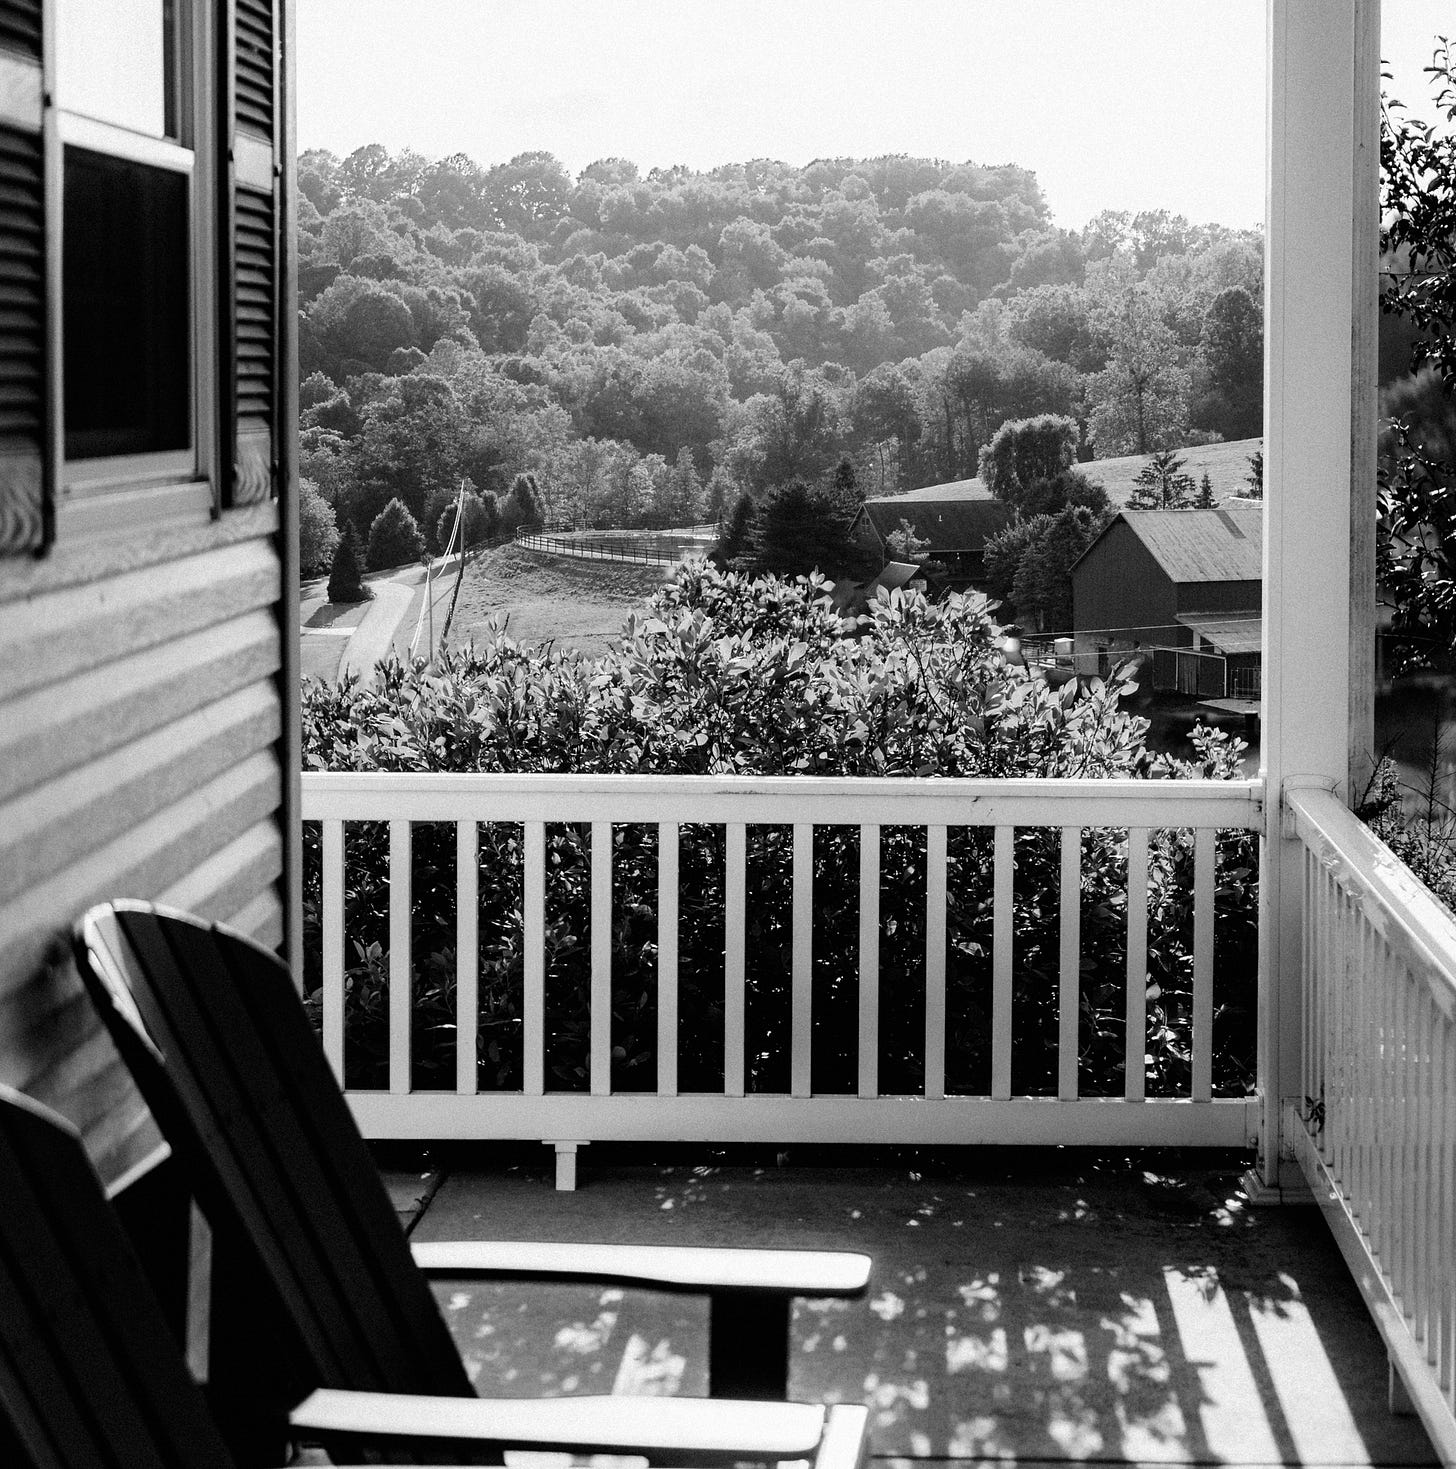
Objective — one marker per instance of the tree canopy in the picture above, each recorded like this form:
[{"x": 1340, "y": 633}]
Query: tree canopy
[{"x": 651, "y": 347}]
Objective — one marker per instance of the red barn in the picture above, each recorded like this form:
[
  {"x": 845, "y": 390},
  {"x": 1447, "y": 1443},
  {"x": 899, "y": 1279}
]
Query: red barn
[{"x": 1177, "y": 580}]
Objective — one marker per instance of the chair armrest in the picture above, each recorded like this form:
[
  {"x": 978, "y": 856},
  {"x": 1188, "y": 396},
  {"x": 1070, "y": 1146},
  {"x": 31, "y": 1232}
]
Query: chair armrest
[
  {"x": 678, "y": 1429},
  {"x": 677, "y": 1267},
  {"x": 846, "y": 1440}
]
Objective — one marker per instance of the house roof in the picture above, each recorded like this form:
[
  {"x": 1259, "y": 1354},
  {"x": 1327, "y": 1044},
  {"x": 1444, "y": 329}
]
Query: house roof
[
  {"x": 953, "y": 517},
  {"x": 1228, "y": 634},
  {"x": 1197, "y": 545},
  {"x": 951, "y": 489}
]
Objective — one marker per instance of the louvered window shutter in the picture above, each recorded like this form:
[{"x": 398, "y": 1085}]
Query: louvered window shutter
[
  {"x": 249, "y": 335},
  {"x": 26, "y": 465}
]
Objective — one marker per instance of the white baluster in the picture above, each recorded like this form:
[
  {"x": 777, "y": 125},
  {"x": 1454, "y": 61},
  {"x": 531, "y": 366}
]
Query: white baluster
[
  {"x": 667, "y": 976},
  {"x": 467, "y": 956}
]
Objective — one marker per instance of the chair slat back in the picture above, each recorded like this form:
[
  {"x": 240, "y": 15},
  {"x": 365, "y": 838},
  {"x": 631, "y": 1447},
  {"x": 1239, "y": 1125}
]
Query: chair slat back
[
  {"x": 90, "y": 1375},
  {"x": 218, "y": 1042}
]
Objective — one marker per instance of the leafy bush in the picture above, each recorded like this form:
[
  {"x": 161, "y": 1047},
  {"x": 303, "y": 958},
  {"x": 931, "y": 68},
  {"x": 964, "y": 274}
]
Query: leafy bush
[
  {"x": 318, "y": 535},
  {"x": 394, "y": 538},
  {"x": 482, "y": 518},
  {"x": 1423, "y": 833},
  {"x": 730, "y": 675}
]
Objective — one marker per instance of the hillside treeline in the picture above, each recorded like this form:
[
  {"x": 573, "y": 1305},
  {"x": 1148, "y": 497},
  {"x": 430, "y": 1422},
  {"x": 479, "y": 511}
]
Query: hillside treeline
[{"x": 650, "y": 348}]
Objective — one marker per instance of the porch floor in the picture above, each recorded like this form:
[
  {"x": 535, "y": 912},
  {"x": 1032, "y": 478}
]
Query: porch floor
[{"x": 1025, "y": 1308}]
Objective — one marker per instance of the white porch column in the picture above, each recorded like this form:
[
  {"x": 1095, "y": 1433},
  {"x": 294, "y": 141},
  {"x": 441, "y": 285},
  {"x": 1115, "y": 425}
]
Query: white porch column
[{"x": 1319, "y": 464}]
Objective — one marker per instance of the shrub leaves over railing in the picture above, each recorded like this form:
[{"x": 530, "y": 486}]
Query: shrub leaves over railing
[{"x": 726, "y": 675}]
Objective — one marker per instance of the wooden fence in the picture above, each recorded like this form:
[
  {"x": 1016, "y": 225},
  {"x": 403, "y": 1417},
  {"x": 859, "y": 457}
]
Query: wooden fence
[
  {"x": 734, "y": 1111},
  {"x": 1375, "y": 1132}
]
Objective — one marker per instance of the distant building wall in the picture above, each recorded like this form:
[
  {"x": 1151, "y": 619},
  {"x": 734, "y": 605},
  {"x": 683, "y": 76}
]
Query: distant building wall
[
  {"x": 1220, "y": 596},
  {"x": 1119, "y": 584},
  {"x": 864, "y": 535}
]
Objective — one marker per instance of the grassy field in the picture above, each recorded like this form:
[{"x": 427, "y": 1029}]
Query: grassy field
[
  {"x": 1227, "y": 467},
  {"x": 583, "y": 604},
  {"x": 577, "y": 604}
]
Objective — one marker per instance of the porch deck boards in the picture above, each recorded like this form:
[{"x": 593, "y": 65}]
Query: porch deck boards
[{"x": 1024, "y": 1309}]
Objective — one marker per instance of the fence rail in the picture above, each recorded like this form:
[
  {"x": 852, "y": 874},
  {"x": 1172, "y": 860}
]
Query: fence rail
[
  {"x": 642, "y": 548},
  {"x": 1066, "y": 811},
  {"x": 1376, "y": 1134}
]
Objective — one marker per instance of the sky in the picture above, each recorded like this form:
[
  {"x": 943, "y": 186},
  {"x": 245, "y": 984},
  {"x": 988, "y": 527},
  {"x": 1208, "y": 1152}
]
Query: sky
[{"x": 1116, "y": 104}]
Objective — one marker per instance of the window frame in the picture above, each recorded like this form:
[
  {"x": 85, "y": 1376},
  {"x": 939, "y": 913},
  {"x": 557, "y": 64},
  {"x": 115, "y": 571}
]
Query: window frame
[{"x": 164, "y": 484}]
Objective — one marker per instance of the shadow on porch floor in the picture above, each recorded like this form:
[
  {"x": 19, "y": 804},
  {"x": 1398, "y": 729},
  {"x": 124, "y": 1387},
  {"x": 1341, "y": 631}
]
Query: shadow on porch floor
[{"x": 1025, "y": 1308}]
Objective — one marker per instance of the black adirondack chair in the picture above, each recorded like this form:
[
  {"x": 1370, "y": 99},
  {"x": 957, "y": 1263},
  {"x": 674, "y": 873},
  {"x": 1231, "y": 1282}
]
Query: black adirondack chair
[
  {"x": 215, "y": 1036},
  {"x": 91, "y": 1376}
]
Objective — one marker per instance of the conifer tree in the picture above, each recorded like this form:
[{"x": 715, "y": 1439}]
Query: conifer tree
[
  {"x": 1205, "y": 499},
  {"x": 345, "y": 582},
  {"x": 394, "y": 538},
  {"x": 736, "y": 533},
  {"x": 1255, "y": 477},
  {"x": 1161, "y": 484}
]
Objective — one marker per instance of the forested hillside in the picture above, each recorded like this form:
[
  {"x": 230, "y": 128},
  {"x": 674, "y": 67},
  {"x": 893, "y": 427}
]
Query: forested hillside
[{"x": 648, "y": 349}]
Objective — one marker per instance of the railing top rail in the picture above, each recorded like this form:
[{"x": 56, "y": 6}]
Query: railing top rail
[
  {"x": 1390, "y": 896},
  {"x": 780, "y": 800}
]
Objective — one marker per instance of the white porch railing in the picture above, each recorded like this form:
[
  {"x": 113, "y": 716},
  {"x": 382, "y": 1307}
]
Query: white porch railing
[
  {"x": 1376, "y": 1134},
  {"x": 736, "y": 1113}
]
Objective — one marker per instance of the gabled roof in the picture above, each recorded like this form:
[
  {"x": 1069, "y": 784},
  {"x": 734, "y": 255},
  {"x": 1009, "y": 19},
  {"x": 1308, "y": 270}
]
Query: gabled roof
[
  {"x": 957, "y": 516},
  {"x": 1197, "y": 545},
  {"x": 952, "y": 489}
]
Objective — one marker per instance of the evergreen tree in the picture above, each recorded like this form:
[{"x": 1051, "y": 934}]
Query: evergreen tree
[
  {"x": 1042, "y": 590},
  {"x": 799, "y": 529},
  {"x": 685, "y": 490},
  {"x": 721, "y": 494},
  {"x": 1255, "y": 477},
  {"x": 394, "y": 538},
  {"x": 345, "y": 582},
  {"x": 524, "y": 498},
  {"x": 1161, "y": 484},
  {"x": 845, "y": 487},
  {"x": 735, "y": 535},
  {"x": 1004, "y": 554},
  {"x": 481, "y": 518},
  {"x": 1205, "y": 500}
]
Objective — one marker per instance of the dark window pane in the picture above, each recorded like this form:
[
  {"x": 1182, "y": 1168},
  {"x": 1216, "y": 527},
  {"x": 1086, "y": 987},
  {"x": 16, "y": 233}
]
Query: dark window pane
[{"x": 128, "y": 357}]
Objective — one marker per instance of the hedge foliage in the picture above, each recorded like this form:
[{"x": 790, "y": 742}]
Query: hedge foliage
[{"x": 730, "y": 675}]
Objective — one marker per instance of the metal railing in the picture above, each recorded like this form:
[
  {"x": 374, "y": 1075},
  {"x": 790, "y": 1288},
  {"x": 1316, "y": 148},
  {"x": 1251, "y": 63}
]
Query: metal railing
[
  {"x": 641, "y": 548},
  {"x": 1376, "y": 1132},
  {"x": 1136, "y": 824}
]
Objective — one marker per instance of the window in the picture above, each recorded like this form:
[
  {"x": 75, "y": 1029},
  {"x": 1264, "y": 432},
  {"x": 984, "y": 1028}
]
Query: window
[
  {"x": 133, "y": 239},
  {"x": 127, "y": 355}
]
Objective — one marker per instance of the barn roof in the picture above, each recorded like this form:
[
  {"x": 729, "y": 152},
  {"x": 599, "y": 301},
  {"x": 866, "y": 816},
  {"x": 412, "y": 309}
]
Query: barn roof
[
  {"x": 957, "y": 516},
  {"x": 1197, "y": 545},
  {"x": 951, "y": 489}
]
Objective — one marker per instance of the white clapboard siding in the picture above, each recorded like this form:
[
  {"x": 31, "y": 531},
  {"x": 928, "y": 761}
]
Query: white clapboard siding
[
  {"x": 140, "y": 730},
  {"x": 597, "y": 804}
]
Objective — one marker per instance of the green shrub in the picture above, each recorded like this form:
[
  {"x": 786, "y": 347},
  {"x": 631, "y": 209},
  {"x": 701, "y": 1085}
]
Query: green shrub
[
  {"x": 345, "y": 582},
  {"x": 394, "y": 538},
  {"x": 730, "y": 675},
  {"x": 482, "y": 517},
  {"x": 318, "y": 535}
]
